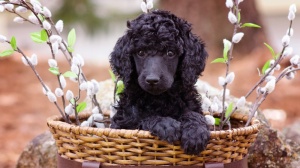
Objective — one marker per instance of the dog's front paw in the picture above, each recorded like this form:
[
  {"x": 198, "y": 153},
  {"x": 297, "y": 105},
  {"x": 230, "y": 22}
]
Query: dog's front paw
[
  {"x": 165, "y": 128},
  {"x": 194, "y": 139}
]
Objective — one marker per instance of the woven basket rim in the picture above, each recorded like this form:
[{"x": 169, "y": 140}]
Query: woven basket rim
[{"x": 56, "y": 122}]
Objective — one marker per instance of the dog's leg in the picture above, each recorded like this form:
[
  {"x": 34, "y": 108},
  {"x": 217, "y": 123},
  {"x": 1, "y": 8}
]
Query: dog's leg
[
  {"x": 195, "y": 133},
  {"x": 166, "y": 128}
]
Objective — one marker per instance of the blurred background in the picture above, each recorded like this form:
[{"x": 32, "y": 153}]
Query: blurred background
[{"x": 99, "y": 24}]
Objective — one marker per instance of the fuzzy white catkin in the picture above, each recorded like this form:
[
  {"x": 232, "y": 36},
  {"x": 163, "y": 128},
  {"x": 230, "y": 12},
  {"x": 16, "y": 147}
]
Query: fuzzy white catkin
[
  {"x": 55, "y": 38},
  {"x": 270, "y": 77},
  {"x": 47, "y": 13},
  {"x": 2, "y": 8},
  {"x": 206, "y": 101},
  {"x": 83, "y": 86},
  {"x": 290, "y": 75},
  {"x": 149, "y": 4},
  {"x": 295, "y": 60},
  {"x": 18, "y": 19},
  {"x": 62, "y": 47},
  {"x": 277, "y": 67},
  {"x": 239, "y": 1},
  {"x": 95, "y": 86},
  {"x": 85, "y": 124},
  {"x": 58, "y": 92},
  {"x": 241, "y": 102},
  {"x": 214, "y": 107},
  {"x": 69, "y": 95},
  {"x": 90, "y": 88},
  {"x": 262, "y": 90},
  {"x": 272, "y": 62},
  {"x": 21, "y": 9},
  {"x": 287, "y": 52},
  {"x": 52, "y": 63},
  {"x": 25, "y": 61},
  {"x": 51, "y": 96},
  {"x": 270, "y": 86},
  {"x": 69, "y": 109},
  {"x": 144, "y": 7},
  {"x": 33, "y": 19},
  {"x": 95, "y": 110},
  {"x": 237, "y": 37},
  {"x": 37, "y": 8},
  {"x": 210, "y": 120},
  {"x": 3, "y": 39},
  {"x": 46, "y": 25},
  {"x": 59, "y": 26},
  {"x": 230, "y": 77},
  {"x": 35, "y": 2},
  {"x": 229, "y": 3},
  {"x": 75, "y": 69},
  {"x": 227, "y": 43},
  {"x": 55, "y": 48},
  {"x": 98, "y": 117},
  {"x": 293, "y": 8},
  {"x": 80, "y": 60},
  {"x": 232, "y": 18},
  {"x": 15, "y": 1},
  {"x": 34, "y": 60},
  {"x": 291, "y": 15},
  {"x": 113, "y": 111},
  {"x": 221, "y": 81},
  {"x": 9, "y": 7},
  {"x": 62, "y": 81},
  {"x": 285, "y": 40}
]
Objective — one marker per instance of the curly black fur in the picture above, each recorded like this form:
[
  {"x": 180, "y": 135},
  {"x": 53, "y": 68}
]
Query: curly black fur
[{"x": 159, "y": 61}]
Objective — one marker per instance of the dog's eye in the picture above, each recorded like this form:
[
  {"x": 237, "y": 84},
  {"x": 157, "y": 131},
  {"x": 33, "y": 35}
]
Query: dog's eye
[
  {"x": 141, "y": 53},
  {"x": 170, "y": 54}
]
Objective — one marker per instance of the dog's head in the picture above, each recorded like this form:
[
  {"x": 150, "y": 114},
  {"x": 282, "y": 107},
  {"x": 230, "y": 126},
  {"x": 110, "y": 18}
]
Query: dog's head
[{"x": 158, "y": 49}]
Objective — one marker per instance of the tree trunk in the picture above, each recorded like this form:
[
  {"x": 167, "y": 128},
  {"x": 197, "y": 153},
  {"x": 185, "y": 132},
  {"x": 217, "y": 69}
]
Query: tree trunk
[{"x": 209, "y": 21}]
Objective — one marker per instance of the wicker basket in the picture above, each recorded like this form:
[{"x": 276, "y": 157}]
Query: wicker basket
[{"x": 138, "y": 147}]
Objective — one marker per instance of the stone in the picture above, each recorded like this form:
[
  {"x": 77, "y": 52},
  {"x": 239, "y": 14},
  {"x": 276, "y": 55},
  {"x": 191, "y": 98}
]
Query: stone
[{"x": 40, "y": 152}]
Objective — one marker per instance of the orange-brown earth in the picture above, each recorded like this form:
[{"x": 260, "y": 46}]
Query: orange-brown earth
[{"x": 24, "y": 109}]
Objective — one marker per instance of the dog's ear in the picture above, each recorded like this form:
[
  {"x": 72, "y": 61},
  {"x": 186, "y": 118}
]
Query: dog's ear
[
  {"x": 194, "y": 57},
  {"x": 120, "y": 60}
]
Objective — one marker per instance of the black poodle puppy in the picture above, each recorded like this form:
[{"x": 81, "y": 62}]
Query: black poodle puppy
[{"x": 159, "y": 61}]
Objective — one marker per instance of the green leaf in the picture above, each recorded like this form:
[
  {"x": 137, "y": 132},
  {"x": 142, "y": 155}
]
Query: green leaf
[
  {"x": 239, "y": 17},
  {"x": 112, "y": 75},
  {"x": 265, "y": 67},
  {"x": 120, "y": 87},
  {"x": 217, "y": 121},
  {"x": 54, "y": 70},
  {"x": 71, "y": 40},
  {"x": 44, "y": 35},
  {"x": 36, "y": 37},
  {"x": 251, "y": 25},
  {"x": 271, "y": 50},
  {"x": 219, "y": 60},
  {"x": 229, "y": 110},
  {"x": 6, "y": 53},
  {"x": 13, "y": 43},
  {"x": 72, "y": 101},
  {"x": 70, "y": 74},
  {"x": 41, "y": 17},
  {"x": 80, "y": 107},
  {"x": 225, "y": 51}
]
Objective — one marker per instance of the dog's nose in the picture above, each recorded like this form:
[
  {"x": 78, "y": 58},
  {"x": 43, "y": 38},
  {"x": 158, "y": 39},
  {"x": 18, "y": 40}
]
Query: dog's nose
[{"x": 152, "y": 80}]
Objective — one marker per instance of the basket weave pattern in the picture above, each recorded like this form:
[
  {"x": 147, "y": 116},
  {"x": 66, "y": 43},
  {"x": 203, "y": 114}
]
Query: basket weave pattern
[{"x": 138, "y": 147}]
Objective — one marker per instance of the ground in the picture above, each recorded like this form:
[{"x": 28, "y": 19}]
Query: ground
[{"x": 24, "y": 109}]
